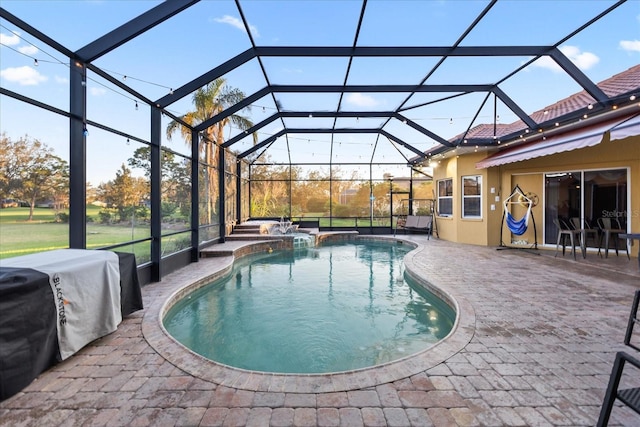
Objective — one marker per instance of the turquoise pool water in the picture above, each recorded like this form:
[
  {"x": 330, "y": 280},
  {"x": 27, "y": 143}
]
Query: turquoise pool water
[{"x": 327, "y": 309}]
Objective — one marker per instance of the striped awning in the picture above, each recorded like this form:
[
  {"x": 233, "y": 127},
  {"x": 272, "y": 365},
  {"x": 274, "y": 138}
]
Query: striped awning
[{"x": 580, "y": 138}]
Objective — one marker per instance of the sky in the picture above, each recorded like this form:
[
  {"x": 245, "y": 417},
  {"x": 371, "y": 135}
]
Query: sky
[{"x": 211, "y": 32}]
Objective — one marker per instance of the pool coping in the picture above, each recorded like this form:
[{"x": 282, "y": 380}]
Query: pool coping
[{"x": 179, "y": 284}]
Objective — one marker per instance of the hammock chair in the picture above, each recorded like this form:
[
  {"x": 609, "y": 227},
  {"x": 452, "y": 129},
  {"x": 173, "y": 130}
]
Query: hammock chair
[{"x": 518, "y": 226}]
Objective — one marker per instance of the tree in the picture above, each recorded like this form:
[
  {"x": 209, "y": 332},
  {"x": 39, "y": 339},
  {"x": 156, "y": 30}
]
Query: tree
[
  {"x": 269, "y": 190},
  {"x": 124, "y": 193},
  {"x": 30, "y": 171},
  {"x": 176, "y": 176},
  {"x": 209, "y": 101}
]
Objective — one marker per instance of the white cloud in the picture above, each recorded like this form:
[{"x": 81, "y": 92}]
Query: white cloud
[
  {"x": 630, "y": 45},
  {"x": 97, "y": 91},
  {"x": 28, "y": 50},
  {"x": 361, "y": 100},
  {"x": 582, "y": 60},
  {"x": 9, "y": 40},
  {"x": 61, "y": 80},
  {"x": 235, "y": 22},
  {"x": 24, "y": 76}
]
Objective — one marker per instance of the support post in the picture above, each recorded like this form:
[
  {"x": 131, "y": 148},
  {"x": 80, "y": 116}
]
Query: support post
[
  {"x": 77, "y": 155},
  {"x": 156, "y": 194},
  {"x": 195, "y": 196},
  {"x": 221, "y": 195},
  {"x": 238, "y": 190}
]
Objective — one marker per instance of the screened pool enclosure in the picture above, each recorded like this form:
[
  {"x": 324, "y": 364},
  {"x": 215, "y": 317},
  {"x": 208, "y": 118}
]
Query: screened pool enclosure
[{"x": 159, "y": 126}]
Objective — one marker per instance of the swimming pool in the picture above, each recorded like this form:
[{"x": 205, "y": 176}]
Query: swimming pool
[{"x": 334, "y": 308}]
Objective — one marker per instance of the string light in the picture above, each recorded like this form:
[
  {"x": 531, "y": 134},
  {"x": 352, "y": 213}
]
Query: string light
[{"x": 631, "y": 97}]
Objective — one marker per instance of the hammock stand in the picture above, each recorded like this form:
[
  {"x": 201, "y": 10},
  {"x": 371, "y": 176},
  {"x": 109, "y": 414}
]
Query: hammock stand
[{"x": 518, "y": 226}]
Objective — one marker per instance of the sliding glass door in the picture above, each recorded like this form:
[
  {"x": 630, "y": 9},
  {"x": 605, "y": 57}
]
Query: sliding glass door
[{"x": 580, "y": 198}]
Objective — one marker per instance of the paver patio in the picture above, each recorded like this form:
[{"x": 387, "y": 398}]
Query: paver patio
[{"x": 540, "y": 339}]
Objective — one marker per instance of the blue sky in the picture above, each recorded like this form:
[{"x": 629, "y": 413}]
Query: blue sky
[{"x": 210, "y": 33}]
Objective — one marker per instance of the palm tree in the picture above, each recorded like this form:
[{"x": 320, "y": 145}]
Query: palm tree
[{"x": 209, "y": 101}]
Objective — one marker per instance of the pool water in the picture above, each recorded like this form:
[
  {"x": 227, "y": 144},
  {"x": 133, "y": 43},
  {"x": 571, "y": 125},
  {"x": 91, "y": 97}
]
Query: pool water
[{"x": 327, "y": 309}]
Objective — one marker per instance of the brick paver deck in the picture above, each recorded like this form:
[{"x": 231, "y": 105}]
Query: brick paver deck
[{"x": 534, "y": 347}]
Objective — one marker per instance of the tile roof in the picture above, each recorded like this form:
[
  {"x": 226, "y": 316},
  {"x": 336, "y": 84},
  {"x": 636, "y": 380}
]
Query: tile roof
[{"x": 623, "y": 83}]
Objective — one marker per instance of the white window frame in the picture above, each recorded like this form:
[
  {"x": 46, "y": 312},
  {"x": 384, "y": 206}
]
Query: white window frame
[
  {"x": 450, "y": 198},
  {"x": 478, "y": 179}
]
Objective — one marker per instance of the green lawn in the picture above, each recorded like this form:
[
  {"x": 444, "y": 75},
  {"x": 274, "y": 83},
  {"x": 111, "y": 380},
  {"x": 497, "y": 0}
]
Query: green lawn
[{"x": 20, "y": 237}]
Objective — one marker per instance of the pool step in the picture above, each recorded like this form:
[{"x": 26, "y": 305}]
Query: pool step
[{"x": 246, "y": 229}]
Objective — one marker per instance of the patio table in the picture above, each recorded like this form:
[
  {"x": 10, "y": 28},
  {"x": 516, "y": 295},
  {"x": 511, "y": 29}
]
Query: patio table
[{"x": 633, "y": 236}]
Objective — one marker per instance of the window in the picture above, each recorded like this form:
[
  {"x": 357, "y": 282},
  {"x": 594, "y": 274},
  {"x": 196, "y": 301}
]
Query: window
[
  {"x": 472, "y": 196},
  {"x": 445, "y": 197}
]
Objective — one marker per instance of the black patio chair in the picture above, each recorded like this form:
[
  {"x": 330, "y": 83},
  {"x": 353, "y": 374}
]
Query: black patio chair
[{"x": 629, "y": 396}]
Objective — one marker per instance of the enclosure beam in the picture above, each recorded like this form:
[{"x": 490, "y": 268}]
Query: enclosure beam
[
  {"x": 77, "y": 155},
  {"x": 195, "y": 194},
  {"x": 133, "y": 28},
  {"x": 401, "y": 51},
  {"x": 221, "y": 195},
  {"x": 156, "y": 194}
]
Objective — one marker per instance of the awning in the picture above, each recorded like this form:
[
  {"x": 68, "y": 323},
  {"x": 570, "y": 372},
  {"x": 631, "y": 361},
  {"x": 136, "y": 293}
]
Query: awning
[
  {"x": 573, "y": 140},
  {"x": 629, "y": 127}
]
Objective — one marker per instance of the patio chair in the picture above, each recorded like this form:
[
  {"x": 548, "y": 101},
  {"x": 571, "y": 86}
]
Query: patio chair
[
  {"x": 586, "y": 230},
  {"x": 629, "y": 396},
  {"x": 565, "y": 231},
  {"x": 611, "y": 230}
]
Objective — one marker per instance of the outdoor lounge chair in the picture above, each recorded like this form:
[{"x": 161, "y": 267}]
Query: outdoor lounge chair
[{"x": 418, "y": 223}]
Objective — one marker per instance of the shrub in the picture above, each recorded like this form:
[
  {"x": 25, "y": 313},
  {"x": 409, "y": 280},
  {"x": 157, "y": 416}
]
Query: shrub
[
  {"x": 341, "y": 210},
  {"x": 105, "y": 216},
  {"x": 62, "y": 217}
]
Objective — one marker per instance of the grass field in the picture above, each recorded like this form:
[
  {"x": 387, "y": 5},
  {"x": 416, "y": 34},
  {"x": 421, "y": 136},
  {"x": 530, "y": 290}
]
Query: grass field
[{"x": 21, "y": 237}]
